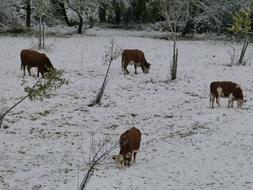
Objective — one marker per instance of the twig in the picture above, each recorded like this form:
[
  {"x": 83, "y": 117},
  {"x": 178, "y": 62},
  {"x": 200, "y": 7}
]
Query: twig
[
  {"x": 3, "y": 115},
  {"x": 98, "y": 157}
]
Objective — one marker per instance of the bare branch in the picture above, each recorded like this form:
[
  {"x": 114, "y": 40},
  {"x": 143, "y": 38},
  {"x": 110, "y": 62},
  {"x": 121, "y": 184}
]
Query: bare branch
[{"x": 101, "y": 151}]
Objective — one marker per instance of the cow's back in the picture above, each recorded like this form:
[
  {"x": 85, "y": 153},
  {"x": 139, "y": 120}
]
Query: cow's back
[
  {"x": 134, "y": 55},
  {"x": 132, "y": 137},
  {"x": 30, "y": 57}
]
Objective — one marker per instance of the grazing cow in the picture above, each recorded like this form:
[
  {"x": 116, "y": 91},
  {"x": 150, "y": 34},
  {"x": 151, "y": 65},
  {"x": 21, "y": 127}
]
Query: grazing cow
[
  {"x": 226, "y": 89},
  {"x": 136, "y": 57},
  {"x": 31, "y": 58},
  {"x": 129, "y": 145}
]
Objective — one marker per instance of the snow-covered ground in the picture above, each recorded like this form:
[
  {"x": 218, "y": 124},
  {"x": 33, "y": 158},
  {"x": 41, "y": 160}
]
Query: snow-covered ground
[{"x": 185, "y": 144}]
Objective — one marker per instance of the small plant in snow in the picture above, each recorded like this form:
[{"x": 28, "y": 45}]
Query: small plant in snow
[
  {"x": 172, "y": 12},
  {"x": 110, "y": 55},
  {"x": 44, "y": 86},
  {"x": 99, "y": 151}
]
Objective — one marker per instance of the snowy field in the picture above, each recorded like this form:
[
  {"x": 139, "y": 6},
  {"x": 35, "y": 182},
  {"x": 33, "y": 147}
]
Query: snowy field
[{"x": 185, "y": 144}]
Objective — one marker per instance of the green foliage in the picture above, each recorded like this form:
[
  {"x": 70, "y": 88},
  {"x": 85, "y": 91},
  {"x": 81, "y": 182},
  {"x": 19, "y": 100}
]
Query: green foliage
[
  {"x": 45, "y": 86},
  {"x": 242, "y": 22}
]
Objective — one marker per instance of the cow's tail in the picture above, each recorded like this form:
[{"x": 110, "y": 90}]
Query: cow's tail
[{"x": 122, "y": 62}]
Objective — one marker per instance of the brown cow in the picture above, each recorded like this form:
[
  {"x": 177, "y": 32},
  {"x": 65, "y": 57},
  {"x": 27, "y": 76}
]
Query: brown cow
[
  {"x": 226, "y": 89},
  {"x": 136, "y": 57},
  {"x": 129, "y": 145},
  {"x": 31, "y": 58}
]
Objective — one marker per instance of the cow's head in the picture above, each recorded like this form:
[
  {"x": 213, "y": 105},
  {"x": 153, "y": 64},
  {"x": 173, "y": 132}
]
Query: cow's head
[
  {"x": 119, "y": 160},
  {"x": 146, "y": 68},
  {"x": 240, "y": 103}
]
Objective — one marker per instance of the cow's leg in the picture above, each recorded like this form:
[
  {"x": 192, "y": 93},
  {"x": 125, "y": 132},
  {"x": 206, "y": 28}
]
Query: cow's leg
[
  {"x": 29, "y": 69},
  {"x": 230, "y": 100},
  {"x": 125, "y": 70},
  {"x": 23, "y": 67},
  {"x": 40, "y": 71},
  {"x": 212, "y": 98},
  {"x": 218, "y": 101},
  {"x": 124, "y": 67},
  {"x": 228, "y": 103},
  {"x": 135, "y": 69},
  {"x": 134, "y": 155},
  {"x": 128, "y": 159}
]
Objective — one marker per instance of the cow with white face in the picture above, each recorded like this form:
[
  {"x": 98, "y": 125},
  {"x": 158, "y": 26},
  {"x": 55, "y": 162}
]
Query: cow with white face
[
  {"x": 129, "y": 145},
  {"x": 226, "y": 89}
]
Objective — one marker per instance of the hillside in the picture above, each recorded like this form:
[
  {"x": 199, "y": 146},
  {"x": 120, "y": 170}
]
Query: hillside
[{"x": 185, "y": 144}]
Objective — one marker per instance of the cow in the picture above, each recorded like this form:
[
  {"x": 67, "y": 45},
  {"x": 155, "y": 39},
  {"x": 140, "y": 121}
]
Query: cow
[
  {"x": 31, "y": 58},
  {"x": 135, "y": 57},
  {"x": 226, "y": 89},
  {"x": 129, "y": 145}
]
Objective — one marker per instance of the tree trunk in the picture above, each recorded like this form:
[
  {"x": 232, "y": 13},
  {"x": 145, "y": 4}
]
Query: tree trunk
[
  {"x": 61, "y": 11},
  {"x": 244, "y": 49},
  {"x": 40, "y": 32},
  {"x": 174, "y": 62},
  {"x": 102, "y": 12},
  {"x": 2, "y": 116},
  {"x": 80, "y": 25},
  {"x": 43, "y": 35},
  {"x": 28, "y": 13},
  {"x": 187, "y": 28}
]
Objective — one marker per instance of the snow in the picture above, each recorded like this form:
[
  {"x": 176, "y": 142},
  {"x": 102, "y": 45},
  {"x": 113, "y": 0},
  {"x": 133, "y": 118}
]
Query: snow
[{"x": 185, "y": 144}]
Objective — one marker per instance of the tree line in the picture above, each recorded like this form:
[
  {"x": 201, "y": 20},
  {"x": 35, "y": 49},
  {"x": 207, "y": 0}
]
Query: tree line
[{"x": 197, "y": 16}]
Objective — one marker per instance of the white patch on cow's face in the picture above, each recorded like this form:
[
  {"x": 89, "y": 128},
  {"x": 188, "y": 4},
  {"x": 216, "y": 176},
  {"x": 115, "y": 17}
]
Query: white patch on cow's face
[{"x": 119, "y": 160}]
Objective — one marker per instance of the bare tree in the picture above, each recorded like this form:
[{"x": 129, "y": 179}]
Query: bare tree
[
  {"x": 99, "y": 151},
  {"x": 41, "y": 7},
  {"x": 110, "y": 55},
  {"x": 60, "y": 10},
  {"x": 84, "y": 10},
  {"x": 178, "y": 14},
  {"x": 172, "y": 11},
  {"x": 28, "y": 13}
]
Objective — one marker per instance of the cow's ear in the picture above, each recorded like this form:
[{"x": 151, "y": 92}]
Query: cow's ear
[{"x": 114, "y": 157}]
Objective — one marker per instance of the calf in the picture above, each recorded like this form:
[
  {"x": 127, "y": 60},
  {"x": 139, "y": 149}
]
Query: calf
[
  {"x": 135, "y": 57},
  {"x": 129, "y": 145},
  {"x": 31, "y": 58},
  {"x": 226, "y": 89}
]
